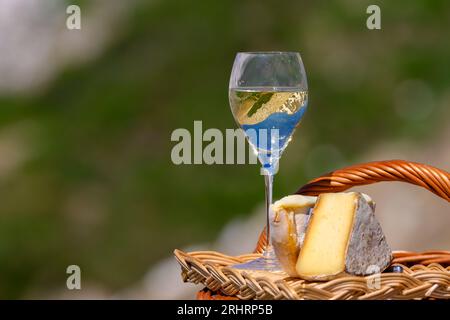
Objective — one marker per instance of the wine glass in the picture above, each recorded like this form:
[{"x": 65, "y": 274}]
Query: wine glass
[{"x": 268, "y": 95}]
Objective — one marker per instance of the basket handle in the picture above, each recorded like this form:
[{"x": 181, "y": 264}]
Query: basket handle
[{"x": 428, "y": 177}]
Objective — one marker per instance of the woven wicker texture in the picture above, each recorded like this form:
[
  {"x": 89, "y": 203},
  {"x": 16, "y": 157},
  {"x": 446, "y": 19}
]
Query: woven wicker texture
[
  {"x": 414, "y": 282},
  {"x": 431, "y": 178},
  {"x": 423, "y": 275}
]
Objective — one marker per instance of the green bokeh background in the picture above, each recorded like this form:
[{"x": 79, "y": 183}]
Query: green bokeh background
[{"x": 100, "y": 132}]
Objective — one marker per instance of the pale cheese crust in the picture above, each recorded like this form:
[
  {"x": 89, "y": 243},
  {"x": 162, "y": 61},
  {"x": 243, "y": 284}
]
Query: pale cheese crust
[{"x": 290, "y": 216}]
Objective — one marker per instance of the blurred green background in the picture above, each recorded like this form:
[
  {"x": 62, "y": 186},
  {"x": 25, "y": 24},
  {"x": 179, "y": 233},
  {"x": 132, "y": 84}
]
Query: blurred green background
[{"x": 85, "y": 171}]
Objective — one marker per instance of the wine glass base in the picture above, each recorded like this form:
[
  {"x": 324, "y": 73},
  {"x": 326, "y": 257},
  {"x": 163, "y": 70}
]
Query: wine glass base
[{"x": 268, "y": 262}]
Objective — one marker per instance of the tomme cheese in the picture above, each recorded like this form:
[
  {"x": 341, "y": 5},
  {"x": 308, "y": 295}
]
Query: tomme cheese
[
  {"x": 290, "y": 217},
  {"x": 343, "y": 235}
]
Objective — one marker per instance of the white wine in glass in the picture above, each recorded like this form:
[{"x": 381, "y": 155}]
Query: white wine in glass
[
  {"x": 268, "y": 96},
  {"x": 268, "y": 109}
]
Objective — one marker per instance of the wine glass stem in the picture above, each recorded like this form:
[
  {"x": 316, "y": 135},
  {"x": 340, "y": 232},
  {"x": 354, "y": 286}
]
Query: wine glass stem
[{"x": 268, "y": 179}]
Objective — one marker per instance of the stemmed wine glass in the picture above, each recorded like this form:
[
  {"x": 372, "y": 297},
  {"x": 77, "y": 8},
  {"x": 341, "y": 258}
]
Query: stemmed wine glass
[{"x": 268, "y": 95}]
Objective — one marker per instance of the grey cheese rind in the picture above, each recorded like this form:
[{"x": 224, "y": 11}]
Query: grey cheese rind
[{"x": 368, "y": 251}]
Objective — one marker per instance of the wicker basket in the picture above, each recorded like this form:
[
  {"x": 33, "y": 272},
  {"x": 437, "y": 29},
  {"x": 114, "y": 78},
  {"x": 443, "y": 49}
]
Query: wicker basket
[{"x": 412, "y": 275}]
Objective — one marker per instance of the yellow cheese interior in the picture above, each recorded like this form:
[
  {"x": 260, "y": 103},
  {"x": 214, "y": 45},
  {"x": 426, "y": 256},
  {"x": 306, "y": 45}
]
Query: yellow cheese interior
[{"x": 324, "y": 249}]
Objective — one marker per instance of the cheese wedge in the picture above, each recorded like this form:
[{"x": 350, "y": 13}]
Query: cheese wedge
[
  {"x": 289, "y": 219},
  {"x": 343, "y": 236},
  {"x": 290, "y": 216}
]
